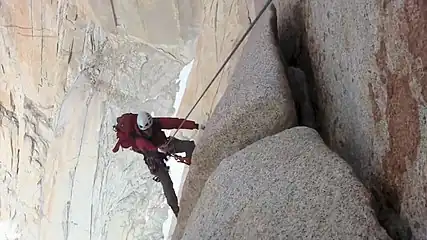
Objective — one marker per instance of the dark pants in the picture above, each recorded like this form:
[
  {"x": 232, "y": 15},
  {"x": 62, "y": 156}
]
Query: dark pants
[
  {"x": 157, "y": 166},
  {"x": 178, "y": 146},
  {"x": 168, "y": 190}
]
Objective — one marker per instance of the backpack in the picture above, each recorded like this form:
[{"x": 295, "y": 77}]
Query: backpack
[{"x": 125, "y": 131}]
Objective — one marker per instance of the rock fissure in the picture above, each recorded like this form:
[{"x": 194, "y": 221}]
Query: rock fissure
[{"x": 402, "y": 120}]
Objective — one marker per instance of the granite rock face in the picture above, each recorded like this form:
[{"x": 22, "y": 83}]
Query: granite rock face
[
  {"x": 286, "y": 186},
  {"x": 257, "y": 103},
  {"x": 365, "y": 63},
  {"x": 368, "y": 61},
  {"x": 65, "y": 76},
  {"x": 224, "y": 22},
  {"x": 169, "y": 26}
]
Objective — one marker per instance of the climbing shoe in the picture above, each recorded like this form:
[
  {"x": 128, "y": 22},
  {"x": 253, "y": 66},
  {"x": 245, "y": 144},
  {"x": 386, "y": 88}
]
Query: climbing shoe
[{"x": 175, "y": 211}]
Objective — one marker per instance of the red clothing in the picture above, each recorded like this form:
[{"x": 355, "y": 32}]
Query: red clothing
[{"x": 141, "y": 143}]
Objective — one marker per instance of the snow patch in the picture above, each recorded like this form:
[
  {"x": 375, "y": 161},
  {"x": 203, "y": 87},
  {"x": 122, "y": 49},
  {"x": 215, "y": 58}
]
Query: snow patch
[
  {"x": 9, "y": 230},
  {"x": 182, "y": 79},
  {"x": 177, "y": 170}
]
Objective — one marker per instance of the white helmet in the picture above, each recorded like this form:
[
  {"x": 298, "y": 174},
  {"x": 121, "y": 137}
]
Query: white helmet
[{"x": 144, "y": 120}]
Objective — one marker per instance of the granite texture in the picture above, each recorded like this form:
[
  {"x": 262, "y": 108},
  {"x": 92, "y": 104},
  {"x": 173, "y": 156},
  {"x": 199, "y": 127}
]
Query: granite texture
[
  {"x": 286, "y": 186},
  {"x": 257, "y": 103}
]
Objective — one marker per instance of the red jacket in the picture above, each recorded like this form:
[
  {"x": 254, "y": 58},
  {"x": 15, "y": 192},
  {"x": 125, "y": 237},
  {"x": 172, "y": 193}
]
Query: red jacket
[
  {"x": 143, "y": 144},
  {"x": 158, "y": 137}
]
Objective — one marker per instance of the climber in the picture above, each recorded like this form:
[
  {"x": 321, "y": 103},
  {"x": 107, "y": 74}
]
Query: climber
[{"x": 143, "y": 133}]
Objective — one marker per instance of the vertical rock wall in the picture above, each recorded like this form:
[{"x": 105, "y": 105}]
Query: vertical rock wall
[
  {"x": 367, "y": 60},
  {"x": 66, "y": 73}
]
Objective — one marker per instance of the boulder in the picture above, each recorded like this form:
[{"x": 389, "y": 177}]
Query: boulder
[
  {"x": 286, "y": 186},
  {"x": 257, "y": 103}
]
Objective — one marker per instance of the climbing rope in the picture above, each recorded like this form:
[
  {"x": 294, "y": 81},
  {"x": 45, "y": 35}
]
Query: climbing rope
[{"x": 233, "y": 51}]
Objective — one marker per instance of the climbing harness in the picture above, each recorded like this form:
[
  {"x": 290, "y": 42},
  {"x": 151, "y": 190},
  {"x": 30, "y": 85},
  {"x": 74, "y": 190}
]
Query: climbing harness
[{"x": 223, "y": 65}]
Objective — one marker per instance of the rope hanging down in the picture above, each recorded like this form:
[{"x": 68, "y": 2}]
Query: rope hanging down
[{"x": 223, "y": 65}]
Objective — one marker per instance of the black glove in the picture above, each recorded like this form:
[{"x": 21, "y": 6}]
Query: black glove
[{"x": 156, "y": 179}]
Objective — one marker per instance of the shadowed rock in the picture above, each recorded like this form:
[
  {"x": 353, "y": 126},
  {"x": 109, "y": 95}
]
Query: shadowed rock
[{"x": 300, "y": 94}]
